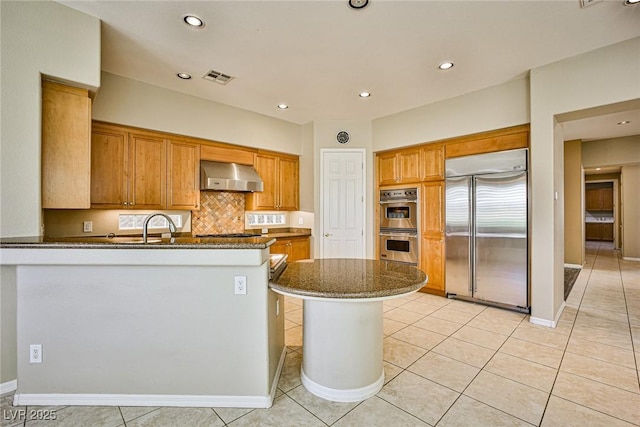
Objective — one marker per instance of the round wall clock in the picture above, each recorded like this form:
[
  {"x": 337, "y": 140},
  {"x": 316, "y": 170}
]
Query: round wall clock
[{"x": 342, "y": 137}]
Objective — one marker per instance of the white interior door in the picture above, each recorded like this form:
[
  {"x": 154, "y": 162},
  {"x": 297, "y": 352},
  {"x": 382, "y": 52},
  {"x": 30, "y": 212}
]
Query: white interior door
[{"x": 342, "y": 204}]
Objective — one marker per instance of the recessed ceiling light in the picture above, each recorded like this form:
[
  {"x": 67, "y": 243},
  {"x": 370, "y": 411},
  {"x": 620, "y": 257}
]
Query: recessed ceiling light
[
  {"x": 358, "y": 4},
  {"x": 283, "y": 106},
  {"x": 184, "y": 76},
  {"x": 364, "y": 94},
  {"x": 625, "y": 122},
  {"x": 445, "y": 65},
  {"x": 194, "y": 21}
]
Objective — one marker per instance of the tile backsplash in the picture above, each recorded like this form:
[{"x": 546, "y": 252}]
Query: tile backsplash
[{"x": 220, "y": 212}]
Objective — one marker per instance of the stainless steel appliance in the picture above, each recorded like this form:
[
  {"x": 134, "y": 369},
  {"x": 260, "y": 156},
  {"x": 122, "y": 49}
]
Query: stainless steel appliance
[
  {"x": 400, "y": 247},
  {"x": 486, "y": 233},
  {"x": 399, "y": 225},
  {"x": 399, "y": 209},
  {"x": 218, "y": 176}
]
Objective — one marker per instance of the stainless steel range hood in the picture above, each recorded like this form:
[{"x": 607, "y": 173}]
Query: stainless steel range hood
[{"x": 218, "y": 176}]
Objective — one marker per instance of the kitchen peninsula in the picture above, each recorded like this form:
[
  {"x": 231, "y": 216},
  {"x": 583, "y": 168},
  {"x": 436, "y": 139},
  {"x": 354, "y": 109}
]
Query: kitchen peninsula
[{"x": 158, "y": 324}]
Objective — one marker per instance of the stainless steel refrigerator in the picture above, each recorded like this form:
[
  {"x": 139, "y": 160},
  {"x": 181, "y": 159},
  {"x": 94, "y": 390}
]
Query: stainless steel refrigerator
[{"x": 486, "y": 232}]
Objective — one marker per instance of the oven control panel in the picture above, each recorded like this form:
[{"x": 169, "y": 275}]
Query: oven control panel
[{"x": 399, "y": 194}]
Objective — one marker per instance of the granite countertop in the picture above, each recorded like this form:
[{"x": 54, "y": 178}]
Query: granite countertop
[
  {"x": 348, "y": 279},
  {"x": 288, "y": 232},
  {"x": 600, "y": 220},
  {"x": 134, "y": 242}
]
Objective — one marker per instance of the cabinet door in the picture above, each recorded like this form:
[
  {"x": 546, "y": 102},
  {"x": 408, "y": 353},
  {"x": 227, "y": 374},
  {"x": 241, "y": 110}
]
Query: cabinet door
[
  {"x": 281, "y": 246},
  {"x": 147, "y": 172},
  {"x": 592, "y": 199},
  {"x": 432, "y": 209},
  {"x": 606, "y": 231},
  {"x": 265, "y": 200},
  {"x": 432, "y": 263},
  {"x": 387, "y": 169},
  {"x": 183, "y": 176},
  {"x": 409, "y": 161},
  {"x": 433, "y": 163},
  {"x": 299, "y": 249},
  {"x": 289, "y": 184},
  {"x": 66, "y": 149},
  {"x": 606, "y": 199},
  {"x": 592, "y": 231},
  {"x": 109, "y": 165}
]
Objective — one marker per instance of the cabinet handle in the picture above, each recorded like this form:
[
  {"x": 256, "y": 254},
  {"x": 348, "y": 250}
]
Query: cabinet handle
[
  {"x": 124, "y": 203},
  {"x": 327, "y": 234}
]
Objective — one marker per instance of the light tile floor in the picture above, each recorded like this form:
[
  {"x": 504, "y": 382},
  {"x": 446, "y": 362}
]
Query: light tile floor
[{"x": 452, "y": 363}]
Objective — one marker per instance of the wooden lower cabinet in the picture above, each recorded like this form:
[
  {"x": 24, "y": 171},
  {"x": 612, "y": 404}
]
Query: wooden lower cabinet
[
  {"x": 432, "y": 263},
  {"x": 599, "y": 231},
  {"x": 296, "y": 248}
]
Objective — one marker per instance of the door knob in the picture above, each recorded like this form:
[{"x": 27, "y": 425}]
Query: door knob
[{"x": 327, "y": 234}]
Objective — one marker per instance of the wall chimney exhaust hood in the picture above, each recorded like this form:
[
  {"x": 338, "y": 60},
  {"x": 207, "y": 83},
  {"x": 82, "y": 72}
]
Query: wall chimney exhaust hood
[{"x": 218, "y": 176}]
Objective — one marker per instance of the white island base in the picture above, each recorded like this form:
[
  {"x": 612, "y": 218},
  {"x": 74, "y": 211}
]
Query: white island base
[{"x": 342, "y": 352}]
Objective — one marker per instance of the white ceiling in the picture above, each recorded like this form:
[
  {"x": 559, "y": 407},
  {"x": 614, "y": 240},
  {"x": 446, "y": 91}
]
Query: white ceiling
[{"x": 317, "y": 56}]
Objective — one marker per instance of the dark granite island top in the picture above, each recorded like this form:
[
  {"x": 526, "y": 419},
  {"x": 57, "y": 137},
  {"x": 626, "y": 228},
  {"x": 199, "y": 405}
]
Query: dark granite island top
[
  {"x": 135, "y": 242},
  {"x": 348, "y": 279}
]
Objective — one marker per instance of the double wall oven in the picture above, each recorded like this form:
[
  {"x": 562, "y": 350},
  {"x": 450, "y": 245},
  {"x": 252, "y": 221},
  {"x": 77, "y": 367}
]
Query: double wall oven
[{"x": 399, "y": 225}]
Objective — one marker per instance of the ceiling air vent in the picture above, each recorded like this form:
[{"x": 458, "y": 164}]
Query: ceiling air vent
[{"x": 217, "y": 77}]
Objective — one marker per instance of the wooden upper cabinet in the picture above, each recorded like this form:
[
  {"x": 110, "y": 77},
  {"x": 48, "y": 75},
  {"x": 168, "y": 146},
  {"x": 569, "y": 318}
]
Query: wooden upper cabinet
[
  {"x": 289, "y": 183},
  {"x": 599, "y": 199},
  {"x": 183, "y": 176},
  {"x": 432, "y": 162},
  {"x": 280, "y": 175},
  {"x": 387, "y": 169},
  {"x": 147, "y": 172},
  {"x": 66, "y": 147},
  {"x": 399, "y": 167},
  {"x": 227, "y": 155},
  {"x": 109, "y": 166},
  {"x": 489, "y": 142}
]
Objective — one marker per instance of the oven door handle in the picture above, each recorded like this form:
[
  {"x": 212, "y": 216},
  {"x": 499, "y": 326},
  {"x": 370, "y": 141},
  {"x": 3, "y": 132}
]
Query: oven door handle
[
  {"x": 399, "y": 234},
  {"x": 388, "y": 202}
]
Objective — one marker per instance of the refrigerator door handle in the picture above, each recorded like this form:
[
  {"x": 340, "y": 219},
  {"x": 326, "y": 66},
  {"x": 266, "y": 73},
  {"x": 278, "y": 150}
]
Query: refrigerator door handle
[{"x": 472, "y": 233}]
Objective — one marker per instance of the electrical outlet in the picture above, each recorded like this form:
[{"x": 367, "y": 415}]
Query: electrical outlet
[
  {"x": 35, "y": 353},
  {"x": 87, "y": 226},
  {"x": 240, "y": 285},
  {"x": 277, "y": 307},
  {"x": 300, "y": 221},
  {"x": 265, "y": 230}
]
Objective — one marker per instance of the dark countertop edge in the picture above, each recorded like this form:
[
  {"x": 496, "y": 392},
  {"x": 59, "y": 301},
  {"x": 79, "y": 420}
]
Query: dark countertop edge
[
  {"x": 37, "y": 243},
  {"x": 328, "y": 295}
]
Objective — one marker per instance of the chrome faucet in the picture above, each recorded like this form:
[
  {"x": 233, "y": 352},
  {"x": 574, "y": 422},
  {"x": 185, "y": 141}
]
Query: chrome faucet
[{"x": 172, "y": 226}]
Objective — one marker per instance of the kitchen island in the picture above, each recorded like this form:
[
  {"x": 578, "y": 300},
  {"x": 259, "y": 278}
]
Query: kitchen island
[
  {"x": 120, "y": 322},
  {"x": 342, "y": 336}
]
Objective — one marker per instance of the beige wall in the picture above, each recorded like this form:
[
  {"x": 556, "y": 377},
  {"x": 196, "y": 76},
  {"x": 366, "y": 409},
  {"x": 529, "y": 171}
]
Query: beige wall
[
  {"x": 572, "y": 84},
  {"x": 130, "y": 102},
  {"x": 611, "y": 152},
  {"x": 573, "y": 203},
  {"x": 487, "y": 109},
  {"x": 630, "y": 182},
  {"x": 38, "y": 38}
]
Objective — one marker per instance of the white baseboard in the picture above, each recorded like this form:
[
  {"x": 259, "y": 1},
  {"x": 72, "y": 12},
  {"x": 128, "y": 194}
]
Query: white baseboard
[
  {"x": 8, "y": 387},
  {"x": 548, "y": 323},
  {"x": 276, "y": 377},
  {"x": 573, "y": 266},
  {"x": 55, "y": 399},
  {"x": 628, "y": 258}
]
